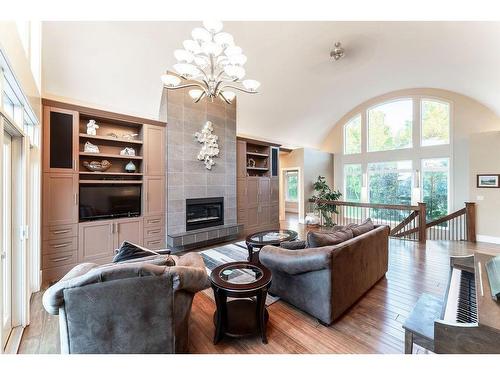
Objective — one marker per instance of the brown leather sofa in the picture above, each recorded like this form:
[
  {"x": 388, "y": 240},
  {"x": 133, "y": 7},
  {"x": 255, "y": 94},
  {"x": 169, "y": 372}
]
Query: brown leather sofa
[{"x": 326, "y": 281}]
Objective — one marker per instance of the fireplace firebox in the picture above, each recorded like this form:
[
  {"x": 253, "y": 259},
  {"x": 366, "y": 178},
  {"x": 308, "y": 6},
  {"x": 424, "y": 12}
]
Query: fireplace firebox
[{"x": 204, "y": 213}]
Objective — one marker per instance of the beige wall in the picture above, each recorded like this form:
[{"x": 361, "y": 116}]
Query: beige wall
[
  {"x": 469, "y": 117},
  {"x": 311, "y": 163},
  {"x": 11, "y": 44},
  {"x": 484, "y": 153}
]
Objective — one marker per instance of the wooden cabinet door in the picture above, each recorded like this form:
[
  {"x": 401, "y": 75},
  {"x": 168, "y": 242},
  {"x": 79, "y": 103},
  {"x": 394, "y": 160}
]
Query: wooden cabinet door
[
  {"x": 275, "y": 190},
  {"x": 252, "y": 191},
  {"x": 241, "y": 155},
  {"x": 264, "y": 190},
  {"x": 154, "y": 150},
  {"x": 252, "y": 219},
  {"x": 60, "y": 198},
  {"x": 241, "y": 193},
  {"x": 275, "y": 214},
  {"x": 129, "y": 230},
  {"x": 154, "y": 195},
  {"x": 60, "y": 140},
  {"x": 96, "y": 241},
  {"x": 265, "y": 216}
]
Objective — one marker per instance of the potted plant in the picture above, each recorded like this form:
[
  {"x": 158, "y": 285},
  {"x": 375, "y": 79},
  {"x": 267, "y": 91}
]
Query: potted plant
[{"x": 325, "y": 193}]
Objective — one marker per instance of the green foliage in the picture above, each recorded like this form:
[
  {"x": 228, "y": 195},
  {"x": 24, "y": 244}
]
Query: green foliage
[
  {"x": 353, "y": 182},
  {"x": 435, "y": 186},
  {"x": 381, "y": 136},
  {"x": 435, "y": 122},
  {"x": 292, "y": 185},
  {"x": 325, "y": 193},
  {"x": 353, "y": 136}
]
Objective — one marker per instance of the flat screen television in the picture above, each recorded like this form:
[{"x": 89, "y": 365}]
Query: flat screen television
[{"x": 109, "y": 201}]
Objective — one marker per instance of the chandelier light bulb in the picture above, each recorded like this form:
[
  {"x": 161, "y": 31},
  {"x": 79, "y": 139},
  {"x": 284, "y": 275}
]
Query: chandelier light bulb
[
  {"x": 186, "y": 70},
  {"x": 238, "y": 59},
  {"x": 191, "y": 46},
  {"x": 213, "y": 26},
  {"x": 224, "y": 39},
  {"x": 201, "y": 61},
  {"x": 233, "y": 50},
  {"x": 201, "y": 35},
  {"x": 251, "y": 84},
  {"x": 170, "y": 80},
  {"x": 229, "y": 95},
  {"x": 211, "y": 48},
  {"x": 183, "y": 56},
  {"x": 195, "y": 94},
  {"x": 234, "y": 72}
]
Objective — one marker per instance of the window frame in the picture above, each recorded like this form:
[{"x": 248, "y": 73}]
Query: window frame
[
  {"x": 367, "y": 123},
  {"x": 387, "y": 171},
  {"x": 296, "y": 172}
]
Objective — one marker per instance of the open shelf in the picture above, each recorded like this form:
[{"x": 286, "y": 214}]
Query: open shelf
[
  {"x": 111, "y": 156},
  {"x": 111, "y": 173},
  {"x": 258, "y": 168},
  {"x": 111, "y": 139},
  {"x": 258, "y": 154},
  {"x": 110, "y": 181}
]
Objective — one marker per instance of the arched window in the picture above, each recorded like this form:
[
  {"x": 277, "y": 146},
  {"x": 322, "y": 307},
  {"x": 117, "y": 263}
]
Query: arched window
[{"x": 399, "y": 152}]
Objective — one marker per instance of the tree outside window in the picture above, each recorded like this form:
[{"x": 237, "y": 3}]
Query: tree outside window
[
  {"x": 352, "y": 136},
  {"x": 435, "y": 123},
  {"x": 291, "y": 181},
  {"x": 435, "y": 175}
]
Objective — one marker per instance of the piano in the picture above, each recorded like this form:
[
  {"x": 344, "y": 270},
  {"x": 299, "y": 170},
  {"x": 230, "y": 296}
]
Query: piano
[{"x": 470, "y": 318}]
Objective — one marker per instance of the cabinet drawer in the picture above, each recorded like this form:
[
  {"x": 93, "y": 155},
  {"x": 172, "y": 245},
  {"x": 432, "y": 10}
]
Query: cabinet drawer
[
  {"x": 154, "y": 232},
  {"x": 154, "y": 221},
  {"x": 60, "y": 259},
  {"x": 155, "y": 243},
  {"x": 60, "y": 231},
  {"x": 59, "y": 245}
]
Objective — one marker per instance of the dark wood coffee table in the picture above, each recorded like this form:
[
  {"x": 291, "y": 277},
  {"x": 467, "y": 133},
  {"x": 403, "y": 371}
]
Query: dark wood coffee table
[
  {"x": 240, "y": 317},
  {"x": 269, "y": 237}
]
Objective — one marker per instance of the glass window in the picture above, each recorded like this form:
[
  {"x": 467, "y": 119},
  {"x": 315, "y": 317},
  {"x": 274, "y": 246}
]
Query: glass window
[
  {"x": 291, "y": 188},
  {"x": 353, "y": 180},
  {"x": 390, "y": 182},
  {"x": 435, "y": 183},
  {"x": 390, "y": 126},
  {"x": 352, "y": 136},
  {"x": 435, "y": 123}
]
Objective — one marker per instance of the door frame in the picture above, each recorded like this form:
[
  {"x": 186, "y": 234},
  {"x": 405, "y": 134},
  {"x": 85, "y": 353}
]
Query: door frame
[{"x": 300, "y": 193}]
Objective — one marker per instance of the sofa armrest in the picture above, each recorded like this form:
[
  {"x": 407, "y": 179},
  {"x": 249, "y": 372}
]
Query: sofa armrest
[
  {"x": 295, "y": 261},
  {"x": 294, "y": 245},
  {"x": 190, "y": 273}
]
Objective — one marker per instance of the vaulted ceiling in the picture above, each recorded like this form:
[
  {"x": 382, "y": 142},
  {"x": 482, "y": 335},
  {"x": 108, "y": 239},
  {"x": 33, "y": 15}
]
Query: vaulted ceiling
[{"x": 116, "y": 66}]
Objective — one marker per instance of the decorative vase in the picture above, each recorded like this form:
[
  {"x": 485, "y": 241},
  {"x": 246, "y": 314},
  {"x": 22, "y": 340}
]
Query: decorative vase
[{"x": 130, "y": 167}]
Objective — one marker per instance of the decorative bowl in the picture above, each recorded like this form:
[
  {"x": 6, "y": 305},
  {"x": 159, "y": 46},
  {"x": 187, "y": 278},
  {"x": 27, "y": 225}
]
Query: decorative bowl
[{"x": 97, "y": 166}]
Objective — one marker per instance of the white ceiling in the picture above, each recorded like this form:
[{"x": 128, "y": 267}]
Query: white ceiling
[{"x": 116, "y": 66}]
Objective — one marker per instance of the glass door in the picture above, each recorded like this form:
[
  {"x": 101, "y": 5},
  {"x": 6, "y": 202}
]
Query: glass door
[{"x": 6, "y": 255}]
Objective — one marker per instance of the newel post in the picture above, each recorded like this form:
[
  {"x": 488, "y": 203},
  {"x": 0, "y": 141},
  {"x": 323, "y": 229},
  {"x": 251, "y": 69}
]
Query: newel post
[
  {"x": 470, "y": 219},
  {"x": 422, "y": 229}
]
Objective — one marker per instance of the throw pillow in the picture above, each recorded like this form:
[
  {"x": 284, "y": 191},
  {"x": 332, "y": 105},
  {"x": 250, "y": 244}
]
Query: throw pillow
[
  {"x": 320, "y": 239},
  {"x": 364, "y": 227},
  {"x": 129, "y": 250}
]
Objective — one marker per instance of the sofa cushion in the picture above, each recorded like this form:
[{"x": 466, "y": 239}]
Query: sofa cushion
[
  {"x": 320, "y": 239},
  {"x": 130, "y": 251},
  {"x": 359, "y": 229}
]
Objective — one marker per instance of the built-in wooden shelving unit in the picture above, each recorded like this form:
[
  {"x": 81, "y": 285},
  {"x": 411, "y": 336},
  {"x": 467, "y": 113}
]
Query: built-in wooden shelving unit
[
  {"x": 110, "y": 138},
  {"x": 110, "y": 156},
  {"x": 257, "y": 159},
  {"x": 110, "y": 182}
]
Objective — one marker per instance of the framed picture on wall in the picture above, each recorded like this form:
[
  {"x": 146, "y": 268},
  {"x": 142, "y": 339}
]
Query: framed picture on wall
[{"x": 488, "y": 181}]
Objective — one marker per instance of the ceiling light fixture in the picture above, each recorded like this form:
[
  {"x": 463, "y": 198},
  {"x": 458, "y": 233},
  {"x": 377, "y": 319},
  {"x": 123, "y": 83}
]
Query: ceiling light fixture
[
  {"x": 211, "y": 64},
  {"x": 338, "y": 52}
]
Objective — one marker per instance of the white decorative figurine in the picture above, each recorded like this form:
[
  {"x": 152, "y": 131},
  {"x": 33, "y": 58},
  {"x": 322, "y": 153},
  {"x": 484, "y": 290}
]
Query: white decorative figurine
[
  {"x": 89, "y": 147},
  {"x": 91, "y": 127},
  {"x": 128, "y": 151},
  {"x": 209, "y": 148}
]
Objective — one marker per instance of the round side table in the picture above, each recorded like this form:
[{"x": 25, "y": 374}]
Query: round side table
[{"x": 269, "y": 237}]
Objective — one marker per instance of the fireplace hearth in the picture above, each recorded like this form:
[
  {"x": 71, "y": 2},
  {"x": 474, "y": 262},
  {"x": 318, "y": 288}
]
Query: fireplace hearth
[{"x": 204, "y": 213}]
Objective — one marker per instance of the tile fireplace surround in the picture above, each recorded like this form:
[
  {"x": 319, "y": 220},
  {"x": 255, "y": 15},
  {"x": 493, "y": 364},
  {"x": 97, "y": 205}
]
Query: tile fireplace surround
[{"x": 187, "y": 177}]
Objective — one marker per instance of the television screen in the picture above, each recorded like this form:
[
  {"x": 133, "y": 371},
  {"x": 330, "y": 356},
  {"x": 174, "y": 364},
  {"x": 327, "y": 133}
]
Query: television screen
[{"x": 109, "y": 201}]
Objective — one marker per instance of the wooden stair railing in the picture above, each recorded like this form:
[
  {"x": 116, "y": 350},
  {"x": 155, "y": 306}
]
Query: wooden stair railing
[{"x": 409, "y": 221}]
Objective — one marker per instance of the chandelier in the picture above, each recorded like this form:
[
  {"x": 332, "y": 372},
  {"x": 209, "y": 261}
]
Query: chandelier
[{"x": 211, "y": 64}]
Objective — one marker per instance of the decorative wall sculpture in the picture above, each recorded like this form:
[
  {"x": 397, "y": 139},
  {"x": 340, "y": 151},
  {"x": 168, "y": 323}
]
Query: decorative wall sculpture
[{"x": 209, "y": 148}]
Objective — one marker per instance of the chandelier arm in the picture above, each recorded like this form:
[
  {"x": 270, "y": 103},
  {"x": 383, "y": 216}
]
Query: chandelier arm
[
  {"x": 186, "y": 85},
  {"x": 239, "y": 89},
  {"x": 224, "y": 98},
  {"x": 200, "y": 97}
]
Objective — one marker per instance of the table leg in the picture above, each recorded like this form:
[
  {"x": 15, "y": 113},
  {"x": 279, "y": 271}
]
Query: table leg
[
  {"x": 250, "y": 252},
  {"x": 408, "y": 342},
  {"x": 261, "y": 314},
  {"x": 220, "y": 313}
]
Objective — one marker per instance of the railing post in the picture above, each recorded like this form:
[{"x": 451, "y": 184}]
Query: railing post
[
  {"x": 470, "y": 220},
  {"x": 422, "y": 230}
]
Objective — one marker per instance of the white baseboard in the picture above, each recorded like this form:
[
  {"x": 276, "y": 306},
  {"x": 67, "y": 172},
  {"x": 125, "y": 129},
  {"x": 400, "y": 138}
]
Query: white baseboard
[{"x": 490, "y": 239}]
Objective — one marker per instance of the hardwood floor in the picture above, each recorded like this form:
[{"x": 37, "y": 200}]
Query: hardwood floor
[{"x": 373, "y": 325}]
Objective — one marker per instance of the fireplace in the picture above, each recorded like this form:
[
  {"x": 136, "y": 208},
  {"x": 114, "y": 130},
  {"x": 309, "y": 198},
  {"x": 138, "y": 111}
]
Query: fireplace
[{"x": 204, "y": 213}]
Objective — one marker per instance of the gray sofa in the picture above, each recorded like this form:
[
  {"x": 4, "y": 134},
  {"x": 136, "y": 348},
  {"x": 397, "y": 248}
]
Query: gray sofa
[
  {"x": 326, "y": 281},
  {"x": 138, "y": 306}
]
